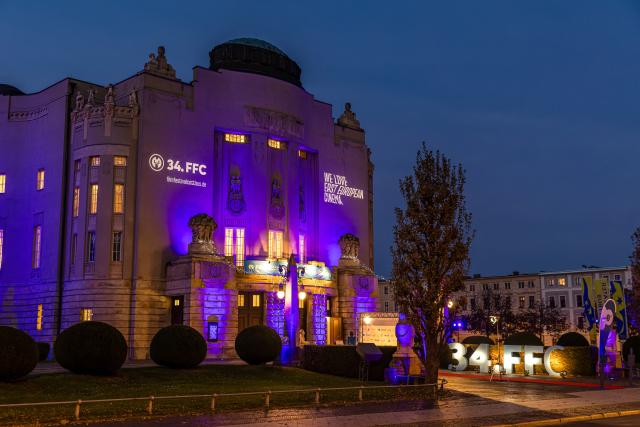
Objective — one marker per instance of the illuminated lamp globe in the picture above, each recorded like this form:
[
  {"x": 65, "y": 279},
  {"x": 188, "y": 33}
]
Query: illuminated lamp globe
[
  {"x": 280, "y": 294},
  {"x": 450, "y": 304},
  {"x": 367, "y": 320},
  {"x": 302, "y": 295}
]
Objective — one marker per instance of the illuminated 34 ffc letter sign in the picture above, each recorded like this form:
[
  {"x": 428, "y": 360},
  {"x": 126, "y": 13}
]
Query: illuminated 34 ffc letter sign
[{"x": 480, "y": 357}]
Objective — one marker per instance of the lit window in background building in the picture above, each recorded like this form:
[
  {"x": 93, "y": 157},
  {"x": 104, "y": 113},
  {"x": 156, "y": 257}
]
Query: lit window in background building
[
  {"x": 274, "y": 143},
  {"x": 86, "y": 314},
  {"x": 3, "y": 182},
  {"x": 40, "y": 180},
  {"x": 93, "y": 207},
  {"x": 118, "y": 198},
  {"x": 116, "y": 246},
  {"x": 1, "y": 246},
  {"x": 39, "y": 318},
  {"x": 94, "y": 161},
  {"x": 255, "y": 300},
  {"x": 275, "y": 244},
  {"x": 76, "y": 201},
  {"x": 234, "y": 245},
  {"x": 37, "y": 245},
  {"x": 235, "y": 138},
  {"x": 302, "y": 249},
  {"x": 74, "y": 245},
  {"x": 302, "y": 154},
  {"x": 119, "y": 161},
  {"x": 562, "y": 281},
  {"x": 240, "y": 300}
]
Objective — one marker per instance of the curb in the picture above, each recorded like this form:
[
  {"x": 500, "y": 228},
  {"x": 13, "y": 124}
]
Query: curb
[{"x": 577, "y": 418}]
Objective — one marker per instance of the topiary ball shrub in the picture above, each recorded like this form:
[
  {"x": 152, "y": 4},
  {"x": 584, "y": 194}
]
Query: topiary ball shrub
[
  {"x": 258, "y": 344},
  {"x": 178, "y": 346},
  {"x": 478, "y": 339},
  {"x": 632, "y": 343},
  {"x": 93, "y": 348},
  {"x": 18, "y": 353},
  {"x": 523, "y": 338},
  {"x": 43, "y": 351},
  {"x": 573, "y": 339}
]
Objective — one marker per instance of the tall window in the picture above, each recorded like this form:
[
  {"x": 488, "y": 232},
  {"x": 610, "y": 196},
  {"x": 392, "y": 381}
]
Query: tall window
[
  {"x": 116, "y": 246},
  {"x": 1, "y": 245},
  {"x": 39, "y": 318},
  {"x": 40, "y": 180},
  {"x": 93, "y": 202},
  {"x": 302, "y": 249},
  {"x": 255, "y": 300},
  {"x": 118, "y": 198},
  {"x": 3, "y": 182},
  {"x": 563, "y": 302},
  {"x": 236, "y": 138},
  {"x": 94, "y": 161},
  {"x": 386, "y": 306},
  {"x": 532, "y": 301},
  {"x": 520, "y": 285},
  {"x": 86, "y": 314},
  {"x": 274, "y": 143},
  {"x": 37, "y": 244},
  {"x": 74, "y": 246},
  {"x": 521, "y": 302},
  {"x": 562, "y": 281},
  {"x": 119, "y": 161},
  {"x": 76, "y": 202},
  {"x": 507, "y": 285},
  {"x": 552, "y": 302},
  {"x": 234, "y": 244},
  {"x": 91, "y": 246},
  {"x": 578, "y": 300},
  {"x": 275, "y": 244},
  {"x": 302, "y": 154}
]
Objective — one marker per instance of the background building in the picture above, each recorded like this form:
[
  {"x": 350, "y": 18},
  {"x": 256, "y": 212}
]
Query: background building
[{"x": 98, "y": 186}]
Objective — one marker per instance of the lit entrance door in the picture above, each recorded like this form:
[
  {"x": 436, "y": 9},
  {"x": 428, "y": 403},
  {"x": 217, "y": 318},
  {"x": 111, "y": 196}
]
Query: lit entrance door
[
  {"x": 177, "y": 310},
  {"x": 250, "y": 309}
]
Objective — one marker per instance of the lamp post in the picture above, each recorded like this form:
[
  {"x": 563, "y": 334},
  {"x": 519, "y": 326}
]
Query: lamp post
[{"x": 495, "y": 320}]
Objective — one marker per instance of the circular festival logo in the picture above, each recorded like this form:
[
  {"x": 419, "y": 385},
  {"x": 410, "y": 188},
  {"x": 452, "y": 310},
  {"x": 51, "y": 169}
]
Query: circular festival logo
[{"x": 156, "y": 162}]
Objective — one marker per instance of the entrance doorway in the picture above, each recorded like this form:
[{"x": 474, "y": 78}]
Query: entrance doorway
[
  {"x": 250, "y": 309},
  {"x": 177, "y": 310}
]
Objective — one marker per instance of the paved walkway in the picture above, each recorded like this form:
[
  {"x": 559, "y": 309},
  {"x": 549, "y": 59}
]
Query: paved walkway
[{"x": 469, "y": 402}]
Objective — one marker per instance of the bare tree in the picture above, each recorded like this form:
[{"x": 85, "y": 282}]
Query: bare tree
[
  {"x": 493, "y": 304},
  {"x": 542, "y": 319},
  {"x": 432, "y": 237}
]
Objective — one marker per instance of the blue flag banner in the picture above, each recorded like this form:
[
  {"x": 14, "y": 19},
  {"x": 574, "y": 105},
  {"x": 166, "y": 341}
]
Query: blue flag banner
[{"x": 620, "y": 317}]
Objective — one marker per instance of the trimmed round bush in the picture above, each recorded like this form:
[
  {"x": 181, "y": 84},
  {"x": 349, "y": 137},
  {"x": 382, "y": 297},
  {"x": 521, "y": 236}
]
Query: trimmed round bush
[
  {"x": 18, "y": 353},
  {"x": 632, "y": 343},
  {"x": 93, "y": 348},
  {"x": 478, "y": 339},
  {"x": 573, "y": 339},
  {"x": 523, "y": 338},
  {"x": 43, "y": 351},
  {"x": 178, "y": 346},
  {"x": 258, "y": 344}
]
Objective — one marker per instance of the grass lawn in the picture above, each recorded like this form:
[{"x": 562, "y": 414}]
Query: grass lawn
[{"x": 157, "y": 381}]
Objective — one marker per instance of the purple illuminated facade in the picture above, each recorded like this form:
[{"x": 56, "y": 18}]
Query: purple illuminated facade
[{"x": 98, "y": 186}]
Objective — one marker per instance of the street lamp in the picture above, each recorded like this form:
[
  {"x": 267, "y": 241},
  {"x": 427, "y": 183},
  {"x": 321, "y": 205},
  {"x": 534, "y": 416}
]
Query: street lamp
[{"x": 495, "y": 320}]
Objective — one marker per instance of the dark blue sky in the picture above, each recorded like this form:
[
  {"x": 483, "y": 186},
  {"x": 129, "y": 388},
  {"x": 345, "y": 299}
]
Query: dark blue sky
[{"x": 539, "y": 100}]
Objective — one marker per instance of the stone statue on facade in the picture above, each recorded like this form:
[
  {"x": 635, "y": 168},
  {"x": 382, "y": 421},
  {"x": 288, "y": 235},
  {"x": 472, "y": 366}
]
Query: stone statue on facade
[
  {"x": 349, "y": 246},
  {"x": 109, "y": 102},
  {"x": 79, "y": 101},
  {"x": 158, "y": 64},
  {"x": 302, "y": 212},
  {"x": 348, "y": 118},
  {"x": 405, "y": 361},
  {"x": 235, "y": 198},
  {"x": 277, "y": 204},
  {"x": 202, "y": 228},
  {"x": 91, "y": 99}
]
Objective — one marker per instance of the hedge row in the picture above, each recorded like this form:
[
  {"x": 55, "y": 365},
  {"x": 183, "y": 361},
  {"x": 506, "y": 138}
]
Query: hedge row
[{"x": 343, "y": 360}]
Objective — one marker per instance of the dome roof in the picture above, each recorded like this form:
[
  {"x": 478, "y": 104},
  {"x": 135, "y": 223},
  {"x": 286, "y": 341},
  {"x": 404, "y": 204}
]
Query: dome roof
[
  {"x": 255, "y": 56},
  {"x": 10, "y": 90}
]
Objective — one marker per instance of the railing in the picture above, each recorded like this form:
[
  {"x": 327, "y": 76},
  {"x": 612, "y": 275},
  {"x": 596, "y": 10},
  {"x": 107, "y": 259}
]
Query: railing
[{"x": 149, "y": 400}]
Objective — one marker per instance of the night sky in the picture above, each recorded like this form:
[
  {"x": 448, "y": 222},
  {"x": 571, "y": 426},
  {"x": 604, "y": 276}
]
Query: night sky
[{"x": 539, "y": 100}]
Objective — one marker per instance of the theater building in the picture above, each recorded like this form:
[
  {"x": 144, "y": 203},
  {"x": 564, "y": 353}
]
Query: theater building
[{"x": 231, "y": 200}]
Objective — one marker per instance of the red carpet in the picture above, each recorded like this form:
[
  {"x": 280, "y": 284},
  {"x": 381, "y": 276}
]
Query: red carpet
[{"x": 529, "y": 380}]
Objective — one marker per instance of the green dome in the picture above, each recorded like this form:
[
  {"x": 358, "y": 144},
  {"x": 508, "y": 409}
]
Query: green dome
[{"x": 248, "y": 41}]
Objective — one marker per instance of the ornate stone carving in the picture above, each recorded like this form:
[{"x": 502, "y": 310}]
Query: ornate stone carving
[
  {"x": 91, "y": 99},
  {"x": 109, "y": 102},
  {"x": 79, "y": 101},
  {"x": 202, "y": 228},
  {"x": 274, "y": 122},
  {"x": 235, "y": 198},
  {"x": 277, "y": 205},
  {"x": 349, "y": 246},
  {"x": 159, "y": 65},
  {"x": 348, "y": 118}
]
